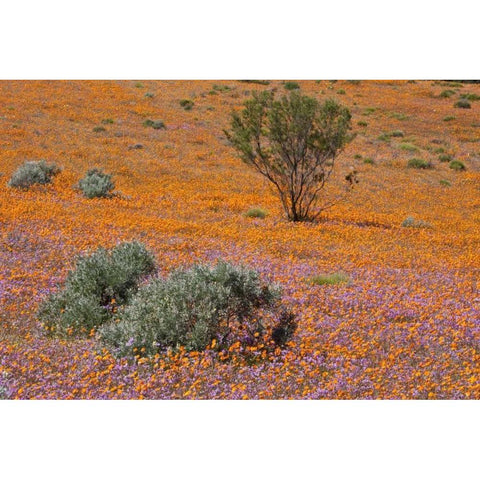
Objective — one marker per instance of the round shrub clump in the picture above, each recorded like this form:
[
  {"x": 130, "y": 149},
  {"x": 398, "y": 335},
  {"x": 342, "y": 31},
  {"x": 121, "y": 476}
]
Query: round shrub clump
[
  {"x": 463, "y": 103},
  {"x": 457, "y": 165},
  {"x": 31, "y": 173},
  {"x": 445, "y": 158},
  {"x": 192, "y": 308},
  {"x": 291, "y": 86},
  {"x": 99, "y": 284},
  {"x": 96, "y": 183},
  {"x": 256, "y": 213},
  {"x": 187, "y": 104},
  {"x": 419, "y": 163}
]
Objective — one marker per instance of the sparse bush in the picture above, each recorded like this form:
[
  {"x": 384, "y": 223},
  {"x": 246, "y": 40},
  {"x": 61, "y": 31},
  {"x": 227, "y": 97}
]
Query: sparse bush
[
  {"x": 259, "y": 82},
  {"x": 368, "y": 161},
  {"x": 139, "y": 85},
  {"x": 149, "y": 95},
  {"x": 445, "y": 183},
  {"x": 409, "y": 147},
  {"x": 341, "y": 91},
  {"x": 221, "y": 88},
  {"x": 108, "y": 121},
  {"x": 445, "y": 158},
  {"x": 268, "y": 134},
  {"x": 449, "y": 118},
  {"x": 157, "y": 124},
  {"x": 447, "y": 93},
  {"x": 410, "y": 222},
  {"x": 31, "y": 173},
  {"x": 462, "y": 103},
  {"x": 191, "y": 308},
  {"x": 187, "y": 104},
  {"x": 330, "y": 279},
  {"x": 384, "y": 137},
  {"x": 399, "y": 116},
  {"x": 473, "y": 97},
  {"x": 96, "y": 183},
  {"x": 357, "y": 156},
  {"x": 354, "y": 82},
  {"x": 99, "y": 129},
  {"x": 361, "y": 123},
  {"x": 457, "y": 165},
  {"x": 99, "y": 284},
  {"x": 256, "y": 213},
  {"x": 291, "y": 86},
  {"x": 397, "y": 133},
  {"x": 419, "y": 163}
]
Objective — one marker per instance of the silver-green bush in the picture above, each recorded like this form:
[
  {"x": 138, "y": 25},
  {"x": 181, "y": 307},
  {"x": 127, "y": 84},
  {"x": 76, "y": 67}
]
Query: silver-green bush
[
  {"x": 96, "y": 183},
  {"x": 191, "y": 308},
  {"x": 31, "y": 173},
  {"x": 99, "y": 284}
]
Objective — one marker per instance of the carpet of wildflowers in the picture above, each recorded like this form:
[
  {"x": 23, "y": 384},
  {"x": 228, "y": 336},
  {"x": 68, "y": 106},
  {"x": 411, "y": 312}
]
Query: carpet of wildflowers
[{"x": 406, "y": 325}]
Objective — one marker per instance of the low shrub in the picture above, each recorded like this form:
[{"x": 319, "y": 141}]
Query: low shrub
[
  {"x": 99, "y": 284},
  {"x": 259, "y": 82},
  {"x": 31, "y": 173},
  {"x": 419, "y": 163},
  {"x": 341, "y": 91},
  {"x": 447, "y": 93},
  {"x": 186, "y": 104},
  {"x": 108, "y": 121},
  {"x": 462, "y": 103},
  {"x": 361, "y": 123},
  {"x": 99, "y": 129},
  {"x": 192, "y": 308},
  {"x": 357, "y": 156},
  {"x": 221, "y": 88},
  {"x": 368, "y": 161},
  {"x": 330, "y": 279},
  {"x": 149, "y": 95},
  {"x": 96, "y": 183},
  {"x": 291, "y": 86},
  {"x": 457, "y": 165},
  {"x": 156, "y": 124},
  {"x": 445, "y": 183},
  {"x": 473, "y": 97},
  {"x": 397, "y": 133},
  {"x": 384, "y": 137},
  {"x": 399, "y": 116},
  {"x": 410, "y": 222},
  {"x": 256, "y": 213},
  {"x": 449, "y": 118},
  {"x": 445, "y": 158},
  {"x": 409, "y": 147}
]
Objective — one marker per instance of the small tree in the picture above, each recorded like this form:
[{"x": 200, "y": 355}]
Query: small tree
[{"x": 294, "y": 143}]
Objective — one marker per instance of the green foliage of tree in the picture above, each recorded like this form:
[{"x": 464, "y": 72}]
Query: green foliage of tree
[{"x": 293, "y": 142}]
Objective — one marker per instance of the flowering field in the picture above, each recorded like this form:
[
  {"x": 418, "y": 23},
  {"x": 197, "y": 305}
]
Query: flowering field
[{"x": 405, "y": 326}]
